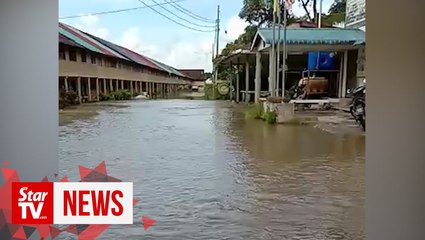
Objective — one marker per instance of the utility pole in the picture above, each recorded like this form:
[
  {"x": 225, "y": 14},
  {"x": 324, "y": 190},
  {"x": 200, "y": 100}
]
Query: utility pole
[{"x": 217, "y": 47}]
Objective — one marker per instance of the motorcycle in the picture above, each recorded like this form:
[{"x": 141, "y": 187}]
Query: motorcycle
[{"x": 358, "y": 104}]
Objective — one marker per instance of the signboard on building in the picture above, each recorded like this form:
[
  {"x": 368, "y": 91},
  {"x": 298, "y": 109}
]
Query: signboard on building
[{"x": 356, "y": 14}]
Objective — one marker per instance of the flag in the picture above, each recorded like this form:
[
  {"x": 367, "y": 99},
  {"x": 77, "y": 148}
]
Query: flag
[
  {"x": 276, "y": 6},
  {"x": 289, "y": 3}
]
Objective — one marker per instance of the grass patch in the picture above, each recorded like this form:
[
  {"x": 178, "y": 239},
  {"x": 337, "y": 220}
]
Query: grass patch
[
  {"x": 254, "y": 111},
  {"x": 270, "y": 117}
]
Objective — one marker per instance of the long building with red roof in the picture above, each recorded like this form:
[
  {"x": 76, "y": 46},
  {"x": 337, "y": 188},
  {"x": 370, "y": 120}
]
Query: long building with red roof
[{"x": 93, "y": 67}]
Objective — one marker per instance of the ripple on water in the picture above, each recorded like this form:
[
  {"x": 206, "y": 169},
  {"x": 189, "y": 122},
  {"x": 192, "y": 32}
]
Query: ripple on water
[{"x": 203, "y": 172}]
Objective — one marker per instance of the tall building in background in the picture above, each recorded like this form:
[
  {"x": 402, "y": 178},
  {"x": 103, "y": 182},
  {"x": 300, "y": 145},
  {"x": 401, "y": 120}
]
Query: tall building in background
[
  {"x": 356, "y": 14},
  {"x": 355, "y": 17}
]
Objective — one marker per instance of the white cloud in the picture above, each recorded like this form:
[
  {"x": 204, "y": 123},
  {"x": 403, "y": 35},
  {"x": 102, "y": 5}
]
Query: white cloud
[
  {"x": 234, "y": 28},
  {"x": 178, "y": 53},
  {"x": 91, "y": 25}
]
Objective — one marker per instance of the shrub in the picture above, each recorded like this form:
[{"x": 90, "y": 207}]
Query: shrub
[
  {"x": 270, "y": 117},
  {"x": 254, "y": 111},
  {"x": 121, "y": 95},
  {"x": 67, "y": 98}
]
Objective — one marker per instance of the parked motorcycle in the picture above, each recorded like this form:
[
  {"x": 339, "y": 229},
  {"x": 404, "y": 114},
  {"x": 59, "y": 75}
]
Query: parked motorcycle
[{"x": 358, "y": 104}]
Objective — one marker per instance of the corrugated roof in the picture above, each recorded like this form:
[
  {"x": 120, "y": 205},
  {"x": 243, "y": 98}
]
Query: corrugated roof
[
  {"x": 63, "y": 39},
  {"x": 133, "y": 56},
  {"x": 168, "y": 68},
  {"x": 311, "y": 36},
  {"x": 99, "y": 45},
  {"x": 87, "y": 41},
  {"x": 195, "y": 74}
]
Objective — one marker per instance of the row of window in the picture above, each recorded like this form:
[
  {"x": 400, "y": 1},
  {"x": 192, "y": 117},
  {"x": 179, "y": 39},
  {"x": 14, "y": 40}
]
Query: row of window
[{"x": 107, "y": 62}]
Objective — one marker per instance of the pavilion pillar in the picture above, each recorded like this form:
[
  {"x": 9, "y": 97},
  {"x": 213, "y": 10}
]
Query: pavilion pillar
[
  {"x": 257, "y": 76},
  {"x": 122, "y": 84},
  {"x": 247, "y": 96},
  {"x": 271, "y": 72},
  {"x": 117, "y": 85},
  {"x": 237, "y": 82},
  {"x": 111, "y": 85},
  {"x": 131, "y": 88},
  {"x": 345, "y": 71}
]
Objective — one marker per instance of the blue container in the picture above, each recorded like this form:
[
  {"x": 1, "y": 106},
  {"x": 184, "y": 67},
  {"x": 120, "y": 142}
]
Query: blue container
[{"x": 326, "y": 61}]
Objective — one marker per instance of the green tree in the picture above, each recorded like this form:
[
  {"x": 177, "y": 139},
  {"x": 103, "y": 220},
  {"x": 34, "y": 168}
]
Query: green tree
[
  {"x": 338, "y": 6},
  {"x": 336, "y": 13},
  {"x": 260, "y": 12},
  {"x": 242, "y": 41},
  {"x": 310, "y": 9}
]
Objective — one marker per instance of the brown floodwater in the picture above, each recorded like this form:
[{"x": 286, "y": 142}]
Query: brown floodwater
[{"x": 204, "y": 172}]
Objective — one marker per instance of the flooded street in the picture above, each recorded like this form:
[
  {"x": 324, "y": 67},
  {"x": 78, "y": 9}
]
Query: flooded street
[{"x": 204, "y": 172}]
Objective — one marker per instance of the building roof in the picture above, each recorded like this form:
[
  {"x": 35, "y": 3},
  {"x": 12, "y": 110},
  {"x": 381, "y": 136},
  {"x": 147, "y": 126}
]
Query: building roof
[
  {"x": 133, "y": 56},
  {"x": 308, "y": 24},
  {"x": 74, "y": 37},
  {"x": 313, "y": 36},
  {"x": 64, "y": 40},
  {"x": 167, "y": 68},
  {"x": 87, "y": 41},
  {"x": 195, "y": 74}
]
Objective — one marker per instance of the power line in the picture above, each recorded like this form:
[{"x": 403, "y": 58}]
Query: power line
[
  {"x": 121, "y": 10},
  {"x": 183, "y": 19},
  {"x": 189, "y": 13},
  {"x": 181, "y": 24}
]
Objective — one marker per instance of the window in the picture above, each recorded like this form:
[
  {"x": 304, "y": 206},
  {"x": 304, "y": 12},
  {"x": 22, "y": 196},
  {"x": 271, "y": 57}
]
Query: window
[
  {"x": 83, "y": 56},
  {"x": 93, "y": 59},
  {"x": 100, "y": 62},
  {"x": 111, "y": 63},
  {"x": 62, "y": 55},
  {"x": 72, "y": 55}
]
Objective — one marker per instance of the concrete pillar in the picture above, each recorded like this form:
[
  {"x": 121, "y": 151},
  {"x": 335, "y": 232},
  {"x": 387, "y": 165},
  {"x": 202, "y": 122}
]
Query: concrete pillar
[
  {"x": 111, "y": 85},
  {"x": 344, "y": 78},
  {"x": 131, "y": 88},
  {"x": 122, "y": 84},
  {"x": 97, "y": 90},
  {"x": 271, "y": 72},
  {"x": 141, "y": 86},
  {"x": 79, "y": 89},
  {"x": 105, "y": 90},
  {"x": 66, "y": 84},
  {"x": 341, "y": 75},
  {"x": 89, "y": 88},
  {"x": 247, "y": 82},
  {"x": 116, "y": 84},
  {"x": 168, "y": 90},
  {"x": 237, "y": 84},
  {"x": 257, "y": 76}
]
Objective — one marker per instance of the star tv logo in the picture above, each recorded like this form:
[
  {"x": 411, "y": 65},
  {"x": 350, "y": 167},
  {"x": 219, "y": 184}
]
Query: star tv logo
[{"x": 72, "y": 203}]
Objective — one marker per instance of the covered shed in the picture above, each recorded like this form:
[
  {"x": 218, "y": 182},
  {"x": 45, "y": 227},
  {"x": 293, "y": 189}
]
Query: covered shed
[{"x": 345, "y": 43}]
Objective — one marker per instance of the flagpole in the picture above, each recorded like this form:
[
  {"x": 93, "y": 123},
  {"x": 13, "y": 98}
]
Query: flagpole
[
  {"x": 279, "y": 21},
  {"x": 273, "y": 57},
  {"x": 285, "y": 52}
]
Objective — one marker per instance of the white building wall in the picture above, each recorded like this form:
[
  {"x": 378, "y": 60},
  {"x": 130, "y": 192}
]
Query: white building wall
[
  {"x": 356, "y": 18},
  {"x": 356, "y": 14}
]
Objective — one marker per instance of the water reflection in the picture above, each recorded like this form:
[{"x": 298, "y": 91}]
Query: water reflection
[{"x": 204, "y": 172}]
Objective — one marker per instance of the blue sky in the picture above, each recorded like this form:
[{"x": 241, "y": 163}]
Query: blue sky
[{"x": 149, "y": 33}]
